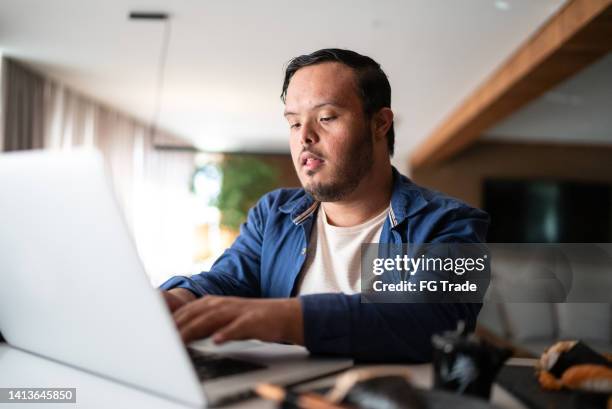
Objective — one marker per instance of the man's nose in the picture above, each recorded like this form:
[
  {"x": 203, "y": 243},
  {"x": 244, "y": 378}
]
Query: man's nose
[{"x": 308, "y": 134}]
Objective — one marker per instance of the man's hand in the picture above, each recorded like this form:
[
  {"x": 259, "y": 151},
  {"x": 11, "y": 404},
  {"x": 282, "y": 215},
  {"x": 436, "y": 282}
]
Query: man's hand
[
  {"x": 177, "y": 297},
  {"x": 233, "y": 318}
]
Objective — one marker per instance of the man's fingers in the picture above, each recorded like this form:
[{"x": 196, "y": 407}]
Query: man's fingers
[
  {"x": 190, "y": 311},
  {"x": 236, "y": 330},
  {"x": 201, "y": 326},
  {"x": 232, "y": 318},
  {"x": 187, "y": 313},
  {"x": 172, "y": 302},
  {"x": 197, "y": 328},
  {"x": 195, "y": 308},
  {"x": 228, "y": 318}
]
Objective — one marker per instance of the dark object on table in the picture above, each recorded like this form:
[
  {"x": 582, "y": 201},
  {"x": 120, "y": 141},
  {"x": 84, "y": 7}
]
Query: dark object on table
[
  {"x": 465, "y": 364},
  {"x": 521, "y": 381},
  {"x": 1, "y": 338},
  {"x": 396, "y": 393},
  {"x": 387, "y": 387},
  {"x": 388, "y": 392}
]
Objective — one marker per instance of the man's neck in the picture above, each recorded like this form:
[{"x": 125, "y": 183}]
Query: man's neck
[{"x": 368, "y": 200}]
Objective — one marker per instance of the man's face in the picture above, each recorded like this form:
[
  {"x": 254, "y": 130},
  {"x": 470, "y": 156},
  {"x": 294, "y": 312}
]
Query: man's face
[{"x": 330, "y": 139}]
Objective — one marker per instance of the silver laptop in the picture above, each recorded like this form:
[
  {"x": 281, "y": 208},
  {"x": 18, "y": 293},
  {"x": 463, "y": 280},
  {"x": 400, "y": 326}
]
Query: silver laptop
[{"x": 73, "y": 289}]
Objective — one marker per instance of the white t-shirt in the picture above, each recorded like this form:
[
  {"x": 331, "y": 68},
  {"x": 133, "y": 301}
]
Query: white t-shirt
[{"x": 333, "y": 263}]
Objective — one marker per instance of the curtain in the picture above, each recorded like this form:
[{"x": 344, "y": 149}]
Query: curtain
[
  {"x": 22, "y": 108},
  {"x": 151, "y": 185}
]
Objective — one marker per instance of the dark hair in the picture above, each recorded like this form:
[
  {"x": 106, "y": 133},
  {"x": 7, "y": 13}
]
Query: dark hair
[{"x": 372, "y": 83}]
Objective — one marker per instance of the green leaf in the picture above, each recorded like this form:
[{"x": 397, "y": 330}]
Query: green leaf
[{"x": 245, "y": 179}]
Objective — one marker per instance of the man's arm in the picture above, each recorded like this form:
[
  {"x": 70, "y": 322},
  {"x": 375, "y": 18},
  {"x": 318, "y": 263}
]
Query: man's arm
[
  {"x": 229, "y": 311},
  {"x": 336, "y": 324},
  {"x": 340, "y": 324}
]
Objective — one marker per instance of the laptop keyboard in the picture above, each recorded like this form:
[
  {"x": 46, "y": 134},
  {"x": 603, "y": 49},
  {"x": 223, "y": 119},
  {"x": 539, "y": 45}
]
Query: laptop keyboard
[{"x": 211, "y": 366}]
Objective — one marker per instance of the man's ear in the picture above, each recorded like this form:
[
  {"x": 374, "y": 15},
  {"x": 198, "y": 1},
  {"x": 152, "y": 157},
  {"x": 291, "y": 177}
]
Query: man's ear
[{"x": 381, "y": 122}]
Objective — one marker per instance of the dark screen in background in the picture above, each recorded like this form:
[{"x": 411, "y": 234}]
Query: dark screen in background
[{"x": 548, "y": 211}]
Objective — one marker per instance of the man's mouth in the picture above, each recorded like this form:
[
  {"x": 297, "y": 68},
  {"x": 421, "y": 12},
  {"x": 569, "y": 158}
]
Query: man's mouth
[{"x": 311, "y": 162}]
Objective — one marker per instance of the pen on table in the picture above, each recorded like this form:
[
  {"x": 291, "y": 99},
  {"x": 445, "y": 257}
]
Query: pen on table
[{"x": 307, "y": 400}]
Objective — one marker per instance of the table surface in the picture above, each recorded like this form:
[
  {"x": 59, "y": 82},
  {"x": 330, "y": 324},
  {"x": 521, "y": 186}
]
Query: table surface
[{"x": 21, "y": 369}]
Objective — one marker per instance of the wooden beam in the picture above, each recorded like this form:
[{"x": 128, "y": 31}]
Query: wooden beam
[{"x": 576, "y": 36}]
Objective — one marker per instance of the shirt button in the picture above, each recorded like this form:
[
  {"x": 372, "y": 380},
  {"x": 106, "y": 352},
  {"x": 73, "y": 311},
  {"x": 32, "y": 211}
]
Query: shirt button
[{"x": 303, "y": 251}]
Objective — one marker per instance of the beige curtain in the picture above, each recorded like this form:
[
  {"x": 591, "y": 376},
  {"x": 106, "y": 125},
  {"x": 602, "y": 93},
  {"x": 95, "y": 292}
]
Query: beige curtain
[
  {"x": 152, "y": 185},
  {"x": 71, "y": 120}
]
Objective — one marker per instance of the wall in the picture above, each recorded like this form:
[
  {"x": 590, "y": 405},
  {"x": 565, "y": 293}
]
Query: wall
[{"x": 462, "y": 175}]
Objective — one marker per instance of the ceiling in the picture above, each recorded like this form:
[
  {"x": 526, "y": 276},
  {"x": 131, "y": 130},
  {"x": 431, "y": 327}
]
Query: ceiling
[
  {"x": 225, "y": 58},
  {"x": 577, "y": 110}
]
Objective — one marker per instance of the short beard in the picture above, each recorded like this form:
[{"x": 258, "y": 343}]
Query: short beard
[{"x": 349, "y": 175}]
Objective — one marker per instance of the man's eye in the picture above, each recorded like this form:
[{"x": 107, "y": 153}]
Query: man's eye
[
  {"x": 328, "y": 118},
  {"x": 294, "y": 126}
]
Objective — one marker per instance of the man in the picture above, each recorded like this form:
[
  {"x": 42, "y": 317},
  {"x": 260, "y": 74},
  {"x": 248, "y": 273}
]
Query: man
[{"x": 293, "y": 273}]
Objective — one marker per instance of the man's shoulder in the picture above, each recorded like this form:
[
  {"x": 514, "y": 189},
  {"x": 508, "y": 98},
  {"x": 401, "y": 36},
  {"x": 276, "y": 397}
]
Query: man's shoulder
[
  {"x": 433, "y": 201},
  {"x": 283, "y": 198},
  {"x": 435, "y": 216},
  {"x": 436, "y": 198}
]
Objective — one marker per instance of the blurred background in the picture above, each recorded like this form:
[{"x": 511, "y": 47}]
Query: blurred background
[{"x": 505, "y": 104}]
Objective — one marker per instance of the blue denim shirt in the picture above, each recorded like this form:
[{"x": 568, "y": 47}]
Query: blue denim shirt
[{"x": 267, "y": 257}]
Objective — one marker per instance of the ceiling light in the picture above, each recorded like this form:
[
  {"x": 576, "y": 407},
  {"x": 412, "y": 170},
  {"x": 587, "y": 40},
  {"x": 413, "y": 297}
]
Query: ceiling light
[{"x": 147, "y": 15}]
